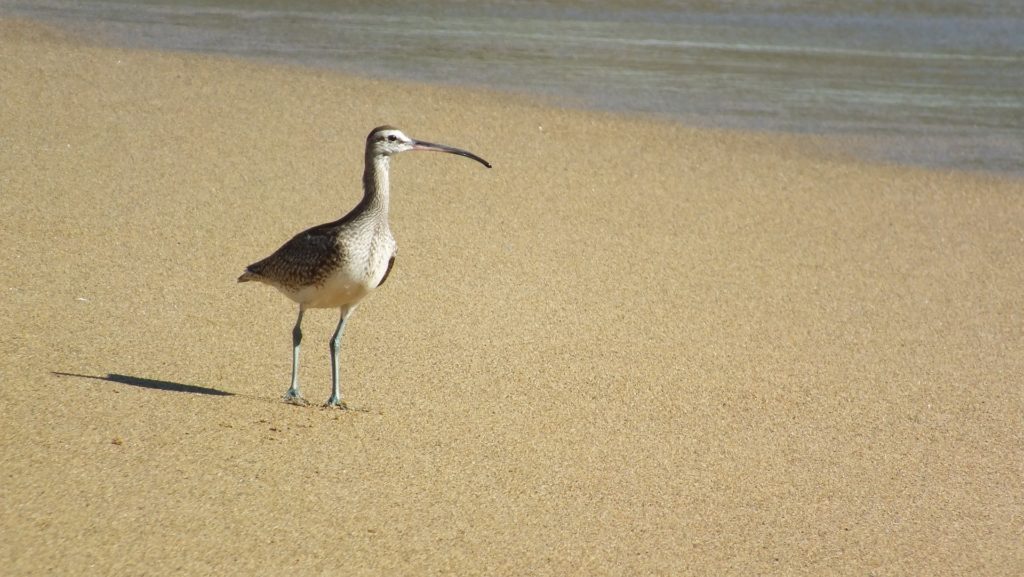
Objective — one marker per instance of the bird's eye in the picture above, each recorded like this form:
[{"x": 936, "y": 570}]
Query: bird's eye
[{"x": 392, "y": 138}]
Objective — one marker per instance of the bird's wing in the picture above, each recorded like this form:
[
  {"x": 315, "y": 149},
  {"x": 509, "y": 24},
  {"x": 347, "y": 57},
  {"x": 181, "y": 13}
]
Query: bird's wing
[
  {"x": 391, "y": 264},
  {"x": 306, "y": 259}
]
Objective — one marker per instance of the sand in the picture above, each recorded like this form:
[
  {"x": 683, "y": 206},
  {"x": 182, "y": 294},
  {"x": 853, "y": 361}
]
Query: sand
[{"x": 630, "y": 348}]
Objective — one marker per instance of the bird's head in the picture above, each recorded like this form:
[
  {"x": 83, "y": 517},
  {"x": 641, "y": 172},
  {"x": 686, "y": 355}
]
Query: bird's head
[{"x": 388, "y": 140}]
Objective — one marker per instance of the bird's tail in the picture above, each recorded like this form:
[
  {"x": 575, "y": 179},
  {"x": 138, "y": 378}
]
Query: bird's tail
[{"x": 247, "y": 276}]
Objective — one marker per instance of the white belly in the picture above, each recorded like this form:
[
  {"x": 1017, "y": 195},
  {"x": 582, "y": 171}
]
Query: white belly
[{"x": 337, "y": 291}]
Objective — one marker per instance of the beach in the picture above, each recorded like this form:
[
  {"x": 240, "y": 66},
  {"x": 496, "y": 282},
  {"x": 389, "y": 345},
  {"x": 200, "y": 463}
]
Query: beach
[
  {"x": 931, "y": 83},
  {"x": 630, "y": 348}
]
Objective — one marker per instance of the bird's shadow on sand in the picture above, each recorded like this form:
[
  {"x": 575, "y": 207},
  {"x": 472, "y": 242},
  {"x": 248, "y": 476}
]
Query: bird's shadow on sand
[
  {"x": 150, "y": 384},
  {"x": 173, "y": 387}
]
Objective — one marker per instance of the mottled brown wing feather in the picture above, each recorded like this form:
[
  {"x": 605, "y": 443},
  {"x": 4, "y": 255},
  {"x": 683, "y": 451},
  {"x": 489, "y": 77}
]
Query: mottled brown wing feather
[{"x": 307, "y": 259}]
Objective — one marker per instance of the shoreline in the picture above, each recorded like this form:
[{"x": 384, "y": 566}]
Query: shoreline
[
  {"x": 631, "y": 347},
  {"x": 915, "y": 146}
]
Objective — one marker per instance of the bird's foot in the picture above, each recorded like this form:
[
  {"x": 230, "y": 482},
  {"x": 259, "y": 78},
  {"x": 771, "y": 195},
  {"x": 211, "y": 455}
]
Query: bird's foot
[
  {"x": 335, "y": 403},
  {"x": 294, "y": 398}
]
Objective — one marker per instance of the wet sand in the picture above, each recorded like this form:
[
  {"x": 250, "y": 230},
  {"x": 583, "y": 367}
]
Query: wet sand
[{"x": 630, "y": 348}]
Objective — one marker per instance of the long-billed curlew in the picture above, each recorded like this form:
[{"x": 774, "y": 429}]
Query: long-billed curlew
[{"x": 336, "y": 264}]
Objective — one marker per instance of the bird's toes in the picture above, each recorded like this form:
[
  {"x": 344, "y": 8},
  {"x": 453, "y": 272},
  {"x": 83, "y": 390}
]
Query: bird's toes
[
  {"x": 295, "y": 399},
  {"x": 333, "y": 403}
]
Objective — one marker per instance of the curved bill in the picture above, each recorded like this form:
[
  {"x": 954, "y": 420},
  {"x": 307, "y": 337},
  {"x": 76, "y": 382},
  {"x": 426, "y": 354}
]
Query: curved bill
[{"x": 421, "y": 145}]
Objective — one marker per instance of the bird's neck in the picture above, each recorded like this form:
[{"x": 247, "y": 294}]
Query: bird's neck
[{"x": 375, "y": 185}]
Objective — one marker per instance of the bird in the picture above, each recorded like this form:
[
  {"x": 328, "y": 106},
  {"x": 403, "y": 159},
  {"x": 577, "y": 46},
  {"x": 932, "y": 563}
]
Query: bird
[{"x": 337, "y": 264}]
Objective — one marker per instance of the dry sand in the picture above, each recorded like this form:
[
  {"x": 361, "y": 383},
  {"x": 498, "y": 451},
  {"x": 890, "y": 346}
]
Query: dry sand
[{"x": 631, "y": 348}]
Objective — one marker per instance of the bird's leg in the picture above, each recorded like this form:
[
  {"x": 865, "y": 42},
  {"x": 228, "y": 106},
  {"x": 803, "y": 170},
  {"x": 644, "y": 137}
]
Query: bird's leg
[
  {"x": 293, "y": 396},
  {"x": 335, "y": 400}
]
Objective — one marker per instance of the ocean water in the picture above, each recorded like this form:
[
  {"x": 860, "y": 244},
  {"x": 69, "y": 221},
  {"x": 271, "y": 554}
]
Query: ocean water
[{"x": 927, "y": 82}]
